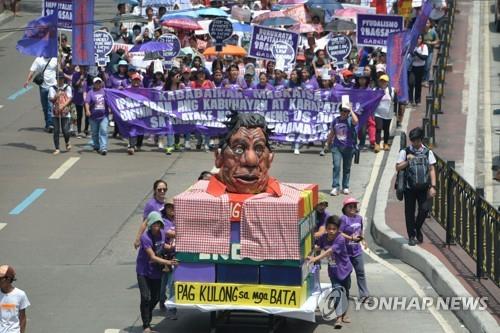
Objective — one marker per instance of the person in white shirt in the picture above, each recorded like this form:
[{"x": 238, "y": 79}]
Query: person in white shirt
[
  {"x": 47, "y": 66},
  {"x": 384, "y": 113},
  {"x": 61, "y": 97},
  {"x": 13, "y": 303},
  {"x": 420, "y": 55}
]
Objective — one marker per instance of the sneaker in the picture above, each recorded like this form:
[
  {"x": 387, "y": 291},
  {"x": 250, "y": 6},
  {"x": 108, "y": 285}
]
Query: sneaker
[
  {"x": 322, "y": 153},
  {"x": 296, "y": 151},
  {"x": 387, "y": 147},
  {"x": 412, "y": 241},
  {"x": 160, "y": 145},
  {"x": 130, "y": 151},
  {"x": 111, "y": 123},
  {"x": 376, "y": 149},
  {"x": 207, "y": 148},
  {"x": 334, "y": 191},
  {"x": 56, "y": 152},
  {"x": 345, "y": 191},
  {"x": 79, "y": 135},
  {"x": 198, "y": 146},
  {"x": 169, "y": 150},
  {"x": 68, "y": 147},
  {"x": 104, "y": 153},
  {"x": 51, "y": 129},
  {"x": 177, "y": 147},
  {"x": 420, "y": 237},
  {"x": 187, "y": 145}
]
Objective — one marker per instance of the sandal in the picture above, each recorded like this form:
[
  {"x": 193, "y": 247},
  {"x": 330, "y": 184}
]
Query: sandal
[
  {"x": 346, "y": 319},
  {"x": 68, "y": 147}
]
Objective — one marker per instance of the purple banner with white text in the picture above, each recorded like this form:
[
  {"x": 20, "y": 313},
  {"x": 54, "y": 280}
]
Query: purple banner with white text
[{"x": 295, "y": 115}]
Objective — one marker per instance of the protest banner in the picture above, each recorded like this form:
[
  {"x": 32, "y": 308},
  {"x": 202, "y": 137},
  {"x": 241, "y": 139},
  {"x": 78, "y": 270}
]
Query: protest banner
[
  {"x": 339, "y": 48},
  {"x": 220, "y": 29},
  {"x": 64, "y": 12},
  {"x": 284, "y": 55},
  {"x": 397, "y": 45},
  {"x": 263, "y": 38},
  {"x": 240, "y": 294},
  {"x": 174, "y": 43},
  {"x": 103, "y": 43},
  {"x": 83, "y": 33},
  {"x": 296, "y": 115},
  {"x": 373, "y": 30}
]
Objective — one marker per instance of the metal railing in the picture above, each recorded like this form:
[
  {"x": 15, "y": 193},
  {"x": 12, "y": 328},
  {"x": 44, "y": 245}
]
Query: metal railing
[
  {"x": 436, "y": 84},
  {"x": 469, "y": 220}
]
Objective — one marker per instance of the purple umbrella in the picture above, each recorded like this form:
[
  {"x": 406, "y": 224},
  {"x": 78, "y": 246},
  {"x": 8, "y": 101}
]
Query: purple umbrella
[
  {"x": 292, "y": 2},
  {"x": 151, "y": 47}
]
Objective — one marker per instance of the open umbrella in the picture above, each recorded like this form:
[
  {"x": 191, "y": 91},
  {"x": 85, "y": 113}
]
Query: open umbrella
[
  {"x": 187, "y": 50},
  {"x": 340, "y": 25},
  {"x": 152, "y": 46},
  {"x": 291, "y": 2},
  {"x": 184, "y": 14},
  {"x": 278, "y": 21},
  {"x": 182, "y": 23},
  {"x": 212, "y": 12},
  {"x": 128, "y": 2},
  {"x": 324, "y": 4},
  {"x": 226, "y": 50},
  {"x": 304, "y": 28},
  {"x": 349, "y": 12},
  {"x": 266, "y": 15}
]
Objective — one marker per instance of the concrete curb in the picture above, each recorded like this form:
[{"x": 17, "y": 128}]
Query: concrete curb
[{"x": 441, "y": 279}]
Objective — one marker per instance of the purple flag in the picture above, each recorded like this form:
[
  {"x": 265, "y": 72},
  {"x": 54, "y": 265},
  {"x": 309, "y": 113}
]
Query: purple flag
[
  {"x": 83, "y": 32},
  {"x": 396, "y": 64},
  {"x": 40, "y": 37},
  {"x": 419, "y": 24}
]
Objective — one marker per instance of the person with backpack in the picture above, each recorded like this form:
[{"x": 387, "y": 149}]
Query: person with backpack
[
  {"x": 60, "y": 96},
  {"x": 344, "y": 139},
  {"x": 417, "y": 161}
]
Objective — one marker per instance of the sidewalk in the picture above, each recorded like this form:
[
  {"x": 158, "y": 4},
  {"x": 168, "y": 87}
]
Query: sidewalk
[{"x": 450, "y": 263}]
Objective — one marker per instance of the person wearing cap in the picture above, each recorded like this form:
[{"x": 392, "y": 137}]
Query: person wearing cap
[
  {"x": 167, "y": 290},
  {"x": 60, "y": 97},
  {"x": 201, "y": 82},
  {"x": 149, "y": 266},
  {"x": 96, "y": 110},
  {"x": 351, "y": 227},
  {"x": 379, "y": 70},
  {"x": 341, "y": 139},
  {"x": 119, "y": 80},
  {"x": 347, "y": 78},
  {"x": 321, "y": 215},
  {"x": 384, "y": 113},
  {"x": 326, "y": 80},
  {"x": 13, "y": 303}
]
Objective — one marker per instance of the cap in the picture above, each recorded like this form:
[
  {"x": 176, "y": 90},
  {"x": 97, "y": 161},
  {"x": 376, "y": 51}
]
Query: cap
[
  {"x": 154, "y": 217},
  {"x": 300, "y": 57},
  {"x": 325, "y": 75},
  {"x": 132, "y": 68},
  {"x": 380, "y": 68},
  {"x": 123, "y": 63},
  {"x": 136, "y": 76},
  {"x": 384, "y": 77},
  {"x": 186, "y": 70},
  {"x": 97, "y": 79},
  {"x": 346, "y": 73},
  {"x": 249, "y": 69},
  {"x": 322, "y": 198},
  {"x": 349, "y": 200},
  {"x": 7, "y": 271}
]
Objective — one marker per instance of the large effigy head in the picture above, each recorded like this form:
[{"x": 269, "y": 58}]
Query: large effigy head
[{"x": 244, "y": 155}]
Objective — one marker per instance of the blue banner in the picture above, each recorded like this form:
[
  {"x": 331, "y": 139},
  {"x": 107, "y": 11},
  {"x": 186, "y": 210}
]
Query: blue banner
[
  {"x": 397, "y": 44},
  {"x": 64, "y": 9},
  {"x": 40, "y": 37},
  {"x": 373, "y": 30},
  {"x": 83, "y": 33}
]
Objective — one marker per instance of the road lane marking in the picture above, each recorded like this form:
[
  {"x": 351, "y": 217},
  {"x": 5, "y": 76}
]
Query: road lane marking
[
  {"x": 2, "y": 225},
  {"x": 7, "y": 35},
  {"x": 64, "y": 167},
  {"x": 112, "y": 330},
  {"x": 28, "y": 201},
  {"x": 20, "y": 92},
  {"x": 1, "y": 106}
]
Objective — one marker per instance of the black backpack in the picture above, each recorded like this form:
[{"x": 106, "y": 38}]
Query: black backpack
[{"x": 417, "y": 172}]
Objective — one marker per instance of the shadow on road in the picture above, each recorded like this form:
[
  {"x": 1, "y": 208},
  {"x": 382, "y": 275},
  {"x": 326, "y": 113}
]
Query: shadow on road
[{"x": 27, "y": 146}]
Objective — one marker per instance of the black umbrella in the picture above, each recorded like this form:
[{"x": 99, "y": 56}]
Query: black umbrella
[{"x": 340, "y": 25}]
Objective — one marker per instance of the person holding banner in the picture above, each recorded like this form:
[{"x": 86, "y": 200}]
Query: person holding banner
[
  {"x": 79, "y": 83},
  {"x": 307, "y": 81},
  {"x": 342, "y": 140},
  {"x": 60, "y": 97},
  {"x": 96, "y": 110},
  {"x": 263, "y": 84},
  {"x": 135, "y": 142}
]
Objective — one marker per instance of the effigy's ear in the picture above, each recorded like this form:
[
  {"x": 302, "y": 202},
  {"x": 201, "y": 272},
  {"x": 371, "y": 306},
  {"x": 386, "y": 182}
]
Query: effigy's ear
[{"x": 218, "y": 158}]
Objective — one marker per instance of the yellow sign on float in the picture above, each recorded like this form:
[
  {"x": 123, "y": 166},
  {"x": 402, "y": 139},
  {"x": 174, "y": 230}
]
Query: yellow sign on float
[{"x": 240, "y": 294}]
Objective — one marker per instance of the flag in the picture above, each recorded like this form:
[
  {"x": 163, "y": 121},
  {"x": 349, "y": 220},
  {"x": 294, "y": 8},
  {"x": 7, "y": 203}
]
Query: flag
[
  {"x": 397, "y": 44},
  {"x": 83, "y": 32},
  {"x": 40, "y": 37},
  {"x": 419, "y": 25}
]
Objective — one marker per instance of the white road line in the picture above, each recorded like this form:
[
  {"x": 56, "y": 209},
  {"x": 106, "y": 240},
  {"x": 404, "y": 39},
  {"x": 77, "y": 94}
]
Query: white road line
[
  {"x": 2, "y": 225},
  {"x": 111, "y": 330},
  {"x": 472, "y": 103},
  {"x": 488, "y": 159},
  {"x": 64, "y": 167},
  {"x": 7, "y": 35},
  {"x": 364, "y": 205},
  {"x": 1, "y": 106}
]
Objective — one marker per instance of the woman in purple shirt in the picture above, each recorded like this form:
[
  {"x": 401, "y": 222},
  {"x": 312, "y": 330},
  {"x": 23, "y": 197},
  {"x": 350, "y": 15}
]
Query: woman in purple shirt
[
  {"x": 149, "y": 266},
  {"x": 155, "y": 204},
  {"x": 342, "y": 135},
  {"x": 309, "y": 82},
  {"x": 95, "y": 109},
  {"x": 334, "y": 247},
  {"x": 79, "y": 83},
  {"x": 263, "y": 84},
  {"x": 351, "y": 227}
]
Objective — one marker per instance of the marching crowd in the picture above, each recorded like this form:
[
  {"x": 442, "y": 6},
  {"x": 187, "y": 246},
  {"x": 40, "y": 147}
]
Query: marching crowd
[{"x": 74, "y": 105}]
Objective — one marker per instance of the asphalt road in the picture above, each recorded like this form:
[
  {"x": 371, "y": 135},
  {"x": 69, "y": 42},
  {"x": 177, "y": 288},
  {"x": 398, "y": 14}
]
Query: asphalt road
[{"x": 72, "y": 246}]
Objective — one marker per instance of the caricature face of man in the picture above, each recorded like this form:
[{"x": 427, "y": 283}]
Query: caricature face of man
[{"x": 245, "y": 162}]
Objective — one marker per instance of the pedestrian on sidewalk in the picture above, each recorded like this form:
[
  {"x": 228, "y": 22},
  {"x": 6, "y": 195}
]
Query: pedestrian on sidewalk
[
  {"x": 95, "y": 109},
  {"x": 431, "y": 39},
  {"x": 420, "y": 54},
  {"x": 333, "y": 246},
  {"x": 351, "y": 227},
  {"x": 13, "y": 303},
  {"x": 61, "y": 97},
  {"x": 384, "y": 113},
  {"x": 420, "y": 177},
  {"x": 342, "y": 140},
  {"x": 43, "y": 73},
  {"x": 149, "y": 266}
]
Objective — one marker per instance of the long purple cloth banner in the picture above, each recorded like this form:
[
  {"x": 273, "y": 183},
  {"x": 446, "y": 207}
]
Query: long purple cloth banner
[
  {"x": 296, "y": 115},
  {"x": 83, "y": 32}
]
